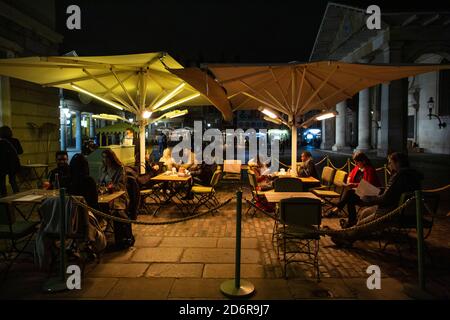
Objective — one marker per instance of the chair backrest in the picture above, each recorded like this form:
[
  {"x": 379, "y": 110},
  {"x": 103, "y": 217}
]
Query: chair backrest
[
  {"x": 6, "y": 216},
  {"x": 327, "y": 175},
  {"x": 232, "y": 166},
  {"x": 215, "y": 178},
  {"x": 252, "y": 179},
  {"x": 288, "y": 184},
  {"x": 301, "y": 212},
  {"x": 339, "y": 180}
]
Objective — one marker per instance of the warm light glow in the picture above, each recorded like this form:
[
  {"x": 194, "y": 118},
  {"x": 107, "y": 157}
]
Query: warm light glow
[
  {"x": 170, "y": 95},
  {"x": 147, "y": 114},
  {"x": 276, "y": 121},
  {"x": 269, "y": 113},
  {"x": 113, "y": 104},
  {"x": 176, "y": 113},
  {"x": 325, "y": 116},
  {"x": 178, "y": 102}
]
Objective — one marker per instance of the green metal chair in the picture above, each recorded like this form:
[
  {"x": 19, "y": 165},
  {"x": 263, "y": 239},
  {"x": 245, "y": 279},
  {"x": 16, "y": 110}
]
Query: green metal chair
[
  {"x": 300, "y": 218},
  {"x": 288, "y": 184},
  {"x": 206, "y": 195},
  {"x": 14, "y": 234},
  {"x": 326, "y": 179},
  {"x": 334, "y": 191},
  {"x": 255, "y": 193}
]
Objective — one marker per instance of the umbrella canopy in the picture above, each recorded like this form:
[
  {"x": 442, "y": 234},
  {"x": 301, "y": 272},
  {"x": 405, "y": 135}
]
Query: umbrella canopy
[
  {"x": 296, "y": 88},
  {"x": 134, "y": 82},
  {"x": 139, "y": 83}
]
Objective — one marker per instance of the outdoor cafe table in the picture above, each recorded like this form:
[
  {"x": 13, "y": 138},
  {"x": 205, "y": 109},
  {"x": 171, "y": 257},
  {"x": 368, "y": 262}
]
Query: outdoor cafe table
[
  {"x": 275, "y": 197},
  {"x": 32, "y": 197},
  {"x": 109, "y": 198},
  {"x": 172, "y": 183},
  {"x": 308, "y": 182}
]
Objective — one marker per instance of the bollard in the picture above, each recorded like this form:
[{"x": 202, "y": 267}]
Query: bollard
[
  {"x": 58, "y": 284},
  {"x": 419, "y": 292},
  {"x": 420, "y": 256},
  {"x": 237, "y": 287}
]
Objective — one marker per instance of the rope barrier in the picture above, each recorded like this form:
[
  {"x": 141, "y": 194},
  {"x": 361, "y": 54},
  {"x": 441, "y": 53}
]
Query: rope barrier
[
  {"x": 437, "y": 189},
  {"x": 336, "y": 168},
  {"x": 369, "y": 224},
  {"x": 320, "y": 162},
  {"x": 122, "y": 220}
]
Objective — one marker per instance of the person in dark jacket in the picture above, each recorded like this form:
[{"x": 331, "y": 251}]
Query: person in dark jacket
[
  {"x": 308, "y": 168},
  {"x": 81, "y": 183},
  {"x": 10, "y": 162},
  {"x": 403, "y": 179},
  {"x": 59, "y": 177}
]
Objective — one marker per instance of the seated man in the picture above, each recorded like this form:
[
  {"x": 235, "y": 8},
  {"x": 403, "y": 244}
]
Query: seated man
[
  {"x": 308, "y": 168},
  {"x": 404, "y": 179},
  {"x": 60, "y": 176}
]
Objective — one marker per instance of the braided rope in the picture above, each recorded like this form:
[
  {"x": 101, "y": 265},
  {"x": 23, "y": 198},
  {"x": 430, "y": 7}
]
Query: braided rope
[
  {"x": 437, "y": 189},
  {"x": 122, "y": 220},
  {"x": 336, "y": 168},
  {"x": 320, "y": 162},
  {"x": 369, "y": 224}
]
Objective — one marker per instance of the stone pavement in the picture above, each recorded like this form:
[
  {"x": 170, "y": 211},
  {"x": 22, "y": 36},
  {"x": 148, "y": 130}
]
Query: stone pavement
[{"x": 190, "y": 260}]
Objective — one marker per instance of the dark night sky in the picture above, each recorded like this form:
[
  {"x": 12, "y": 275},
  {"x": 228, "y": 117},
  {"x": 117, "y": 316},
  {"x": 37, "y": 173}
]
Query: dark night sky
[{"x": 207, "y": 31}]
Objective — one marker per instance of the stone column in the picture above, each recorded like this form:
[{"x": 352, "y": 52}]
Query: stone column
[
  {"x": 328, "y": 134},
  {"x": 91, "y": 127},
  {"x": 62, "y": 129},
  {"x": 5, "y": 102},
  {"x": 340, "y": 126},
  {"x": 394, "y": 109},
  {"x": 78, "y": 131},
  {"x": 364, "y": 121}
]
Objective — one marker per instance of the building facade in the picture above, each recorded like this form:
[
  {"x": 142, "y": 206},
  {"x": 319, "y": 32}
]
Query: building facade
[
  {"x": 394, "y": 116},
  {"x": 27, "y": 29}
]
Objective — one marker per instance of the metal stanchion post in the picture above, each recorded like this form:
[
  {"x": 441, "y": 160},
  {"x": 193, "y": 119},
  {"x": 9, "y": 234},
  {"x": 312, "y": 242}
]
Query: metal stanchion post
[
  {"x": 58, "y": 284},
  {"x": 419, "y": 291},
  {"x": 237, "y": 287}
]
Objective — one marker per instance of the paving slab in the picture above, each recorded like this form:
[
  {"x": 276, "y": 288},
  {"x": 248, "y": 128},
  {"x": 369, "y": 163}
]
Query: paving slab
[
  {"x": 193, "y": 242},
  {"x": 246, "y": 243},
  {"x": 219, "y": 255},
  {"x": 119, "y": 270},
  {"x": 391, "y": 289},
  {"x": 147, "y": 241},
  {"x": 227, "y": 271},
  {"x": 196, "y": 288},
  {"x": 118, "y": 256},
  {"x": 271, "y": 289},
  {"x": 141, "y": 289},
  {"x": 173, "y": 270},
  {"x": 91, "y": 288},
  {"x": 325, "y": 289},
  {"x": 157, "y": 255}
]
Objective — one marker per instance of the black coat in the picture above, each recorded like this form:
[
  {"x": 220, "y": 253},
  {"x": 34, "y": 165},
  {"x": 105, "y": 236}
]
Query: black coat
[
  {"x": 9, "y": 159},
  {"x": 404, "y": 181}
]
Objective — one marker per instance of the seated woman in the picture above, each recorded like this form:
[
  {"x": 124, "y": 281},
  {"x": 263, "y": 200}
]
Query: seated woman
[
  {"x": 112, "y": 175},
  {"x": 364, "y": 170},
  {"x": 403, "y": 180},
  {"x": 82, "y": 184},
  {"x": 308, "y": 169},
  {"x": 263, "y": 179},
  {"x": 167, "y": 159}
]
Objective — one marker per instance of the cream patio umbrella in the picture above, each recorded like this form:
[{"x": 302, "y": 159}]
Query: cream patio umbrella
[
  {"x": 296, "y": 88},
  {"x": 138, "y": 83}
]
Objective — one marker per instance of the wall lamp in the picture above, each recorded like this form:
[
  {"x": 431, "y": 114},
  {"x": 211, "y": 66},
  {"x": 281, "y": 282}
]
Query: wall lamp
[{"x": 430, "y": 114}]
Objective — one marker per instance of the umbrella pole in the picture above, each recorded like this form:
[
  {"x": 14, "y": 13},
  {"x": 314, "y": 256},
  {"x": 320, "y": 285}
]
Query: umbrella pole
[
  {"x": 294, "y": 149},
  {"x": 142, "y": 146}
]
